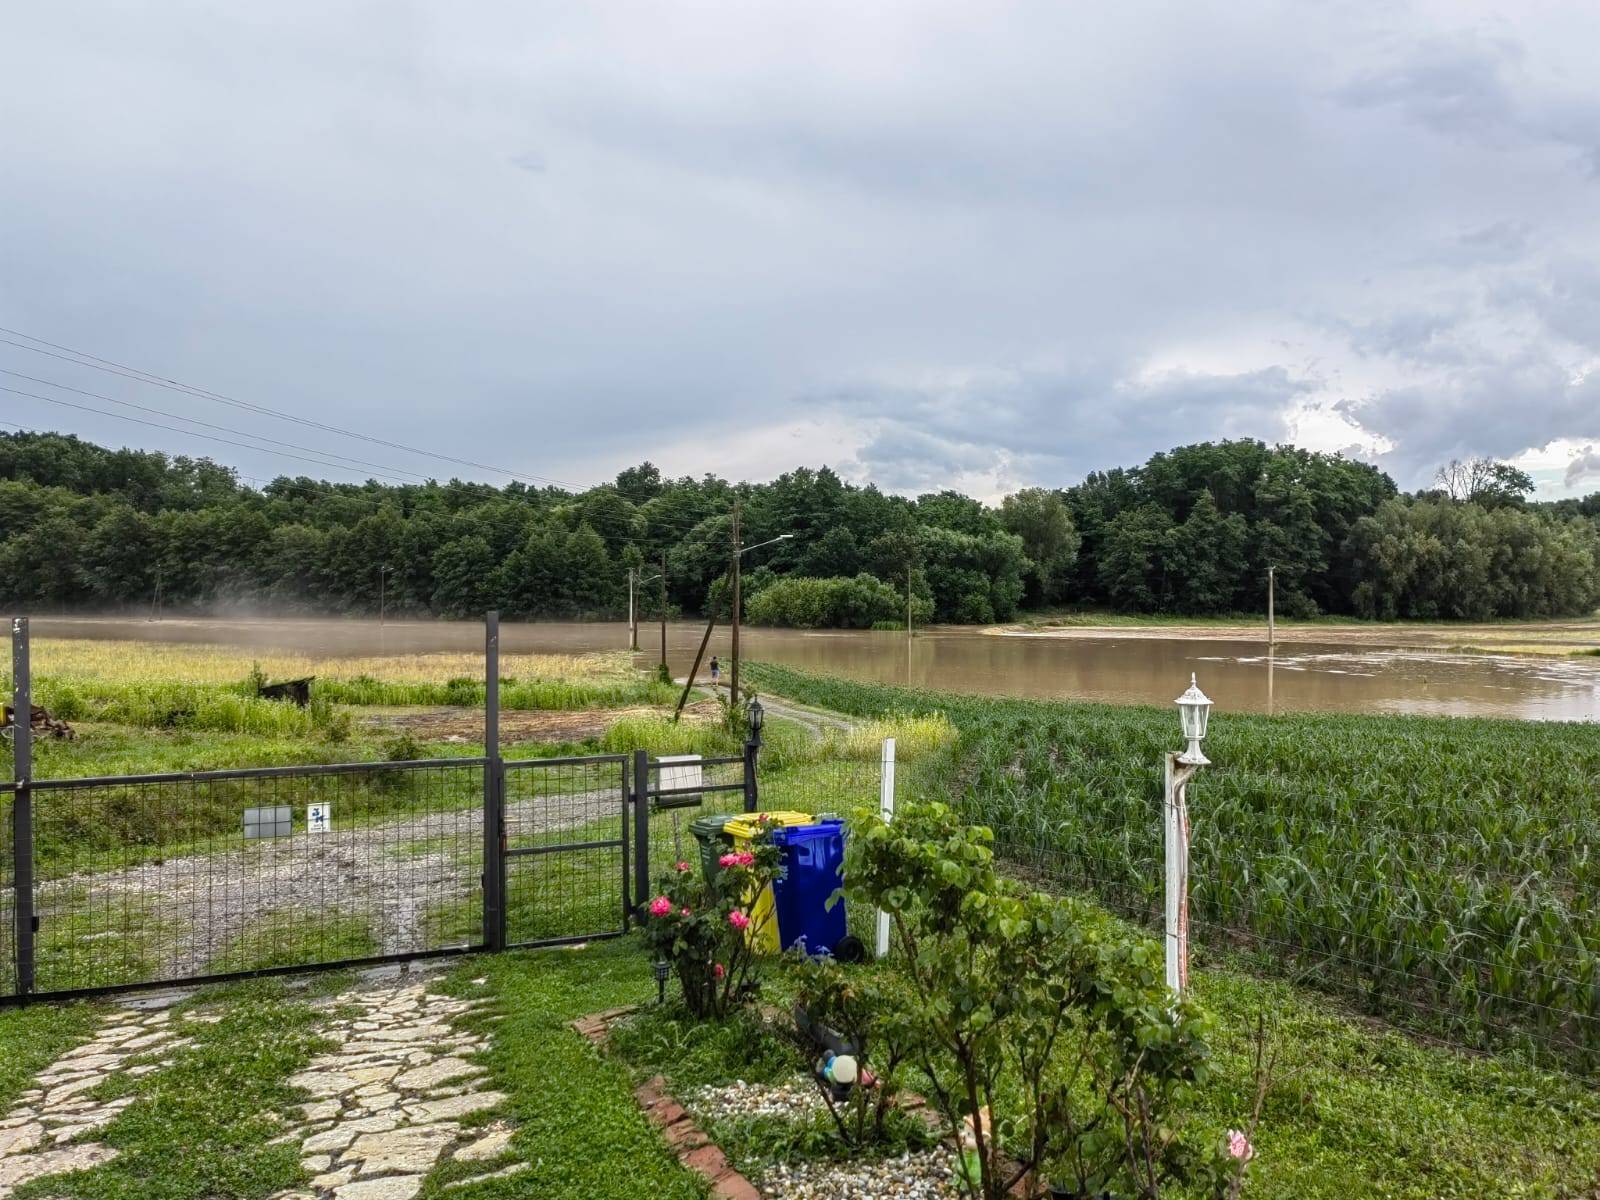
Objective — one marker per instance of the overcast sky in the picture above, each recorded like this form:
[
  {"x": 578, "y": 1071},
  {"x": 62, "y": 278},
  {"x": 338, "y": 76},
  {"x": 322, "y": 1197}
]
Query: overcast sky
[{"x": 976, "y": 245}]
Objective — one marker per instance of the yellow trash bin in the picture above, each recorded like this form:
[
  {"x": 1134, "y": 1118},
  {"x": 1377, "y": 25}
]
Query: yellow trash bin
[{"x": 762, "y": 932}]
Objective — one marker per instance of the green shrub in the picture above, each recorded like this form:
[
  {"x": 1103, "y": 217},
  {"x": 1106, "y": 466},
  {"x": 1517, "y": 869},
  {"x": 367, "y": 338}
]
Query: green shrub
[{"x": 835, "y": 603}]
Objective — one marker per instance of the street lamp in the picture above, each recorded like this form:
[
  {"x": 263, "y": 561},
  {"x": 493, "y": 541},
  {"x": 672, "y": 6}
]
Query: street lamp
[
  {"x": 1194, "y": 709},
  {"x": 1194, "y": 712},
  {"x": 757, "y": 716}
]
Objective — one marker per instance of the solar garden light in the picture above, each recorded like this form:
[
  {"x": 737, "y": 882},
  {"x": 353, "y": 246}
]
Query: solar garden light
[
  {"x": 1194, "y": 712},
  {"x": 758, "y": 716},
  {"x": 661, "y": 968}
]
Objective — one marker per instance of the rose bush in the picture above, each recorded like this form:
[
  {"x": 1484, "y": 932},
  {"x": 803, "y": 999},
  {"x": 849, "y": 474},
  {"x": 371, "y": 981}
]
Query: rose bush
[{"x": 706, "y": 931}]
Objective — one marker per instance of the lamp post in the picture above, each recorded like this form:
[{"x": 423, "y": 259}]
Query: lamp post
[
  {"x": 1194, "y": 712},
  {"x": 752, "y": 752}
]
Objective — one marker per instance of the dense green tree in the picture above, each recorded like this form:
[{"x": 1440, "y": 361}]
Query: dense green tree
[
  {"x": 1194, "y": 529},
  {"x": 1049, "y": 539}
]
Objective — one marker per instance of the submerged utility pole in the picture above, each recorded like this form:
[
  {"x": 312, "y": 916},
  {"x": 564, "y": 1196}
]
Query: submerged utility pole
[
  {"x": 1272, "y": 628},
  {"x": 733, "y": 670},
  {"x": 663, "y": 610}
]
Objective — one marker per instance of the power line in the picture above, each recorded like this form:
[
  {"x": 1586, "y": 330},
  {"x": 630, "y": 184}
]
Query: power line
[
  {"x": 84, "y": 359},
  {"x": 173, "y": 428},
  {"x": 674, "y": 529},
  {"x": 207, "y": 424}
]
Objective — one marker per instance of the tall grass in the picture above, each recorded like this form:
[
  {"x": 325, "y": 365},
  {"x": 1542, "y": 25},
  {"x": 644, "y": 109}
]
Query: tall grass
[
  {"x": 141, "y": 661},
  {"x": 195, "y": 706},
  {"x": 1440, "y": 868}
]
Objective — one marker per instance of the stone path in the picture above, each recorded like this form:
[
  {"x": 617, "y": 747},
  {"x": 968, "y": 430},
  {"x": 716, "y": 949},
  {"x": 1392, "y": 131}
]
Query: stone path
[
  {"x": 395, "y": 1095},
  {"x": 47, "y": 1130},
  {"x": 387, "y": 1103}
]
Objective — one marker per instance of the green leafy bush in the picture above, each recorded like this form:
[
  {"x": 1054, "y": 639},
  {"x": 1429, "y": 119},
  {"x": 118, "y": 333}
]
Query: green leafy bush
[
  {"x": 1051, "y": 1038},
  {"x": 835, "y": 603}
]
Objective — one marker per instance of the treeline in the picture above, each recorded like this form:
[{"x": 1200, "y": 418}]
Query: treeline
[{"x": 1190, "y": 531}]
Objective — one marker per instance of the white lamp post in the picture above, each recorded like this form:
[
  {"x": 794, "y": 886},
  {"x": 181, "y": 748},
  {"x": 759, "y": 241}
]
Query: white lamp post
[{"x": 1194, "y": 711}]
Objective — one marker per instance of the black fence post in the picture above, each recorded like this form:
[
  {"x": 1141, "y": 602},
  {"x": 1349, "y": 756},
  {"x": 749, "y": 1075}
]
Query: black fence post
[
  {"x": 22, "y": 802},
  {"x": 494, "y": 859},
  {"x": 641, "y": 828}
]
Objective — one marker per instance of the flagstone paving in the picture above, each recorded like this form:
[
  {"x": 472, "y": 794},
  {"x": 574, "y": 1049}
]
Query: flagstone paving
[{"x": 397, "y": 1094}]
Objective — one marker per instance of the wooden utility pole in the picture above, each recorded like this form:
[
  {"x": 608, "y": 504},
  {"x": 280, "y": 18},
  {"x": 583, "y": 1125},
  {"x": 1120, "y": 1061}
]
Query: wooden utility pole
[
  {"x": 908, "y": 603},
  {"x": 1272, "y": 628},
  {"x": 633, "y": 610},
  {"x": 663, "y": 608},
  {"x": 733, "y": 670}
]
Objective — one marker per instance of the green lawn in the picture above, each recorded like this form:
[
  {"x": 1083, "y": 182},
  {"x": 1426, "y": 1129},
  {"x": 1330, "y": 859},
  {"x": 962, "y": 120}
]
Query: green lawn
[{"x": 1359, "y": 1112}]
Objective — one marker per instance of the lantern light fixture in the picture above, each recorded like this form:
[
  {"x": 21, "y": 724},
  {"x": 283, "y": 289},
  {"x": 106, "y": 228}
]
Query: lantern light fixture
[{"x": 1194, "y": 710}]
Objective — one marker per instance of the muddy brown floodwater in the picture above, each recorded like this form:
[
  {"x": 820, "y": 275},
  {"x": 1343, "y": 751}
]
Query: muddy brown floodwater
[{"x": 1141, "y": 666}]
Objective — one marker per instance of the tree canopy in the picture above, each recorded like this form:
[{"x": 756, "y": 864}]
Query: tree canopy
[{"x": 1192, "y": 530}]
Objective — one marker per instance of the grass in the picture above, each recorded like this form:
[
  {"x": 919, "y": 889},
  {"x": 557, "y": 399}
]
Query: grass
[
  {"x": 578, "y": 1123},
  {"x": 159, "y": 662},
  {"x": 290, "y": 939},
  {"x": 201, "y": 1126},
  {"x": 157, "y": 686},
  {"x": 1440, "y": 870},
  {"x": 32, "y": 1038},
  {"x": 1357, "y": 1113}
]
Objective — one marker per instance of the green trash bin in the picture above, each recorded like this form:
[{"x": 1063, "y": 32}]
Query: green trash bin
[{"x": 714, "y": 843}]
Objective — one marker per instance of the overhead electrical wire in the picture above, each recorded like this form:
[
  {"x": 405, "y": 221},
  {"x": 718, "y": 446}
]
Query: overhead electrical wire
[
  {"x": 111, "y": 366},
  {"x": 161, "y": 412}
]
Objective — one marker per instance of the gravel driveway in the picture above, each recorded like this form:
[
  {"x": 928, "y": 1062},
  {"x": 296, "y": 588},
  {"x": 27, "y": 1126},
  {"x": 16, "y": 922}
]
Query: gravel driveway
[{"x": 184, "y": 912}]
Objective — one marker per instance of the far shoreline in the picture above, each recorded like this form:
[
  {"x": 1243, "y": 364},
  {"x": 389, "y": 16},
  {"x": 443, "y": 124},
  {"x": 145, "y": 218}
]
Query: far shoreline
[{"x": 1560, "y": 637}]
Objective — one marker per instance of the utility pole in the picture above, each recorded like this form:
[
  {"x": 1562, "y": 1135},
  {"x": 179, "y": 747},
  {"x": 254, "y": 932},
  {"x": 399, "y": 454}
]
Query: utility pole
[
  {"x": 908, "y": 604},
  {"x": 383, "y": 592},
  {"x": 155, "y": 604},
  {"x": 1272, "y": 629},
  {"x": 633, "y": 610},
  {"x": 733, "y": 671},
  {"x": 663, "y": 609}
]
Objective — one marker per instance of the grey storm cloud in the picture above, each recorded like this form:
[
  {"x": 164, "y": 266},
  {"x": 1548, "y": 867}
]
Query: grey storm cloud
[{"x": 925, "y": 242}]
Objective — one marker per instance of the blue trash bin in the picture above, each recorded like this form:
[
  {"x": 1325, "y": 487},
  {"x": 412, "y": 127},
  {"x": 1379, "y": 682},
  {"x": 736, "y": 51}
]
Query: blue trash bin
[{"x": 812, "y": 858}]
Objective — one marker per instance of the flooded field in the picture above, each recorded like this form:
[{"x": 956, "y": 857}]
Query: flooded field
[{"x": 1339, "y": 672}]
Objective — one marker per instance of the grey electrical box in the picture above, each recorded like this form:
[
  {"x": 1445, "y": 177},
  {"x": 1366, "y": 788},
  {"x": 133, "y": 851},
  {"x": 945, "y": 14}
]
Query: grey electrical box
[{"x": 277, "y": 821}]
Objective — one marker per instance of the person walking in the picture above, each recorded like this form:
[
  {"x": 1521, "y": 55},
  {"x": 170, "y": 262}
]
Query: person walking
[{"x": 716, "y": 670}]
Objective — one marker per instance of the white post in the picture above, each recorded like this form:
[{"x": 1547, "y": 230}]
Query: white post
[
  {"x": 886, "y": 810},
  {"x": 1176, "y": 821}
]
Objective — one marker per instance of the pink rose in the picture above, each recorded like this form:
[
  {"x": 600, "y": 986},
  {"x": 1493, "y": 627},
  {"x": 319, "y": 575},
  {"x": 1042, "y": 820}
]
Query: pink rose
[
  {"x": 660, "y": 906},
  {"x": 728, "y": 860},
  {"x": 686, "y": 910},
  {"x": 682, "y": 867},
  {"x": 737, "y": 919},
  {"x": 745, "y": 860},
  {"x": 718, "y": 970},
  {"x": 1239, "y": 1146}
]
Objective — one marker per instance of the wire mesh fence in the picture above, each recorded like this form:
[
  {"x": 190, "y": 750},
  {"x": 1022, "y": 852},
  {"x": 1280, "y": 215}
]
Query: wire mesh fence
[
  {"x": 145, "y": 879},
  {"x": 566, "y": 848}
]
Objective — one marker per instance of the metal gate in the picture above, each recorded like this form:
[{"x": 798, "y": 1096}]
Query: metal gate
[{"x": 135, "y": 881}]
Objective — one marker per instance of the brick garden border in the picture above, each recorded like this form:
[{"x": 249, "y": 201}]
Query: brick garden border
[{"x": 684, "y": 1138}]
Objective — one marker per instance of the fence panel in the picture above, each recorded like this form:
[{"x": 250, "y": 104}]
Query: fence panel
[
  {"x": 566, "y": 849},
  {"x": 148, "y": 879}
]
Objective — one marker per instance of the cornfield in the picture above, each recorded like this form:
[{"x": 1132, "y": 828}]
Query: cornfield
[{"x": 1441, "y": 870}]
